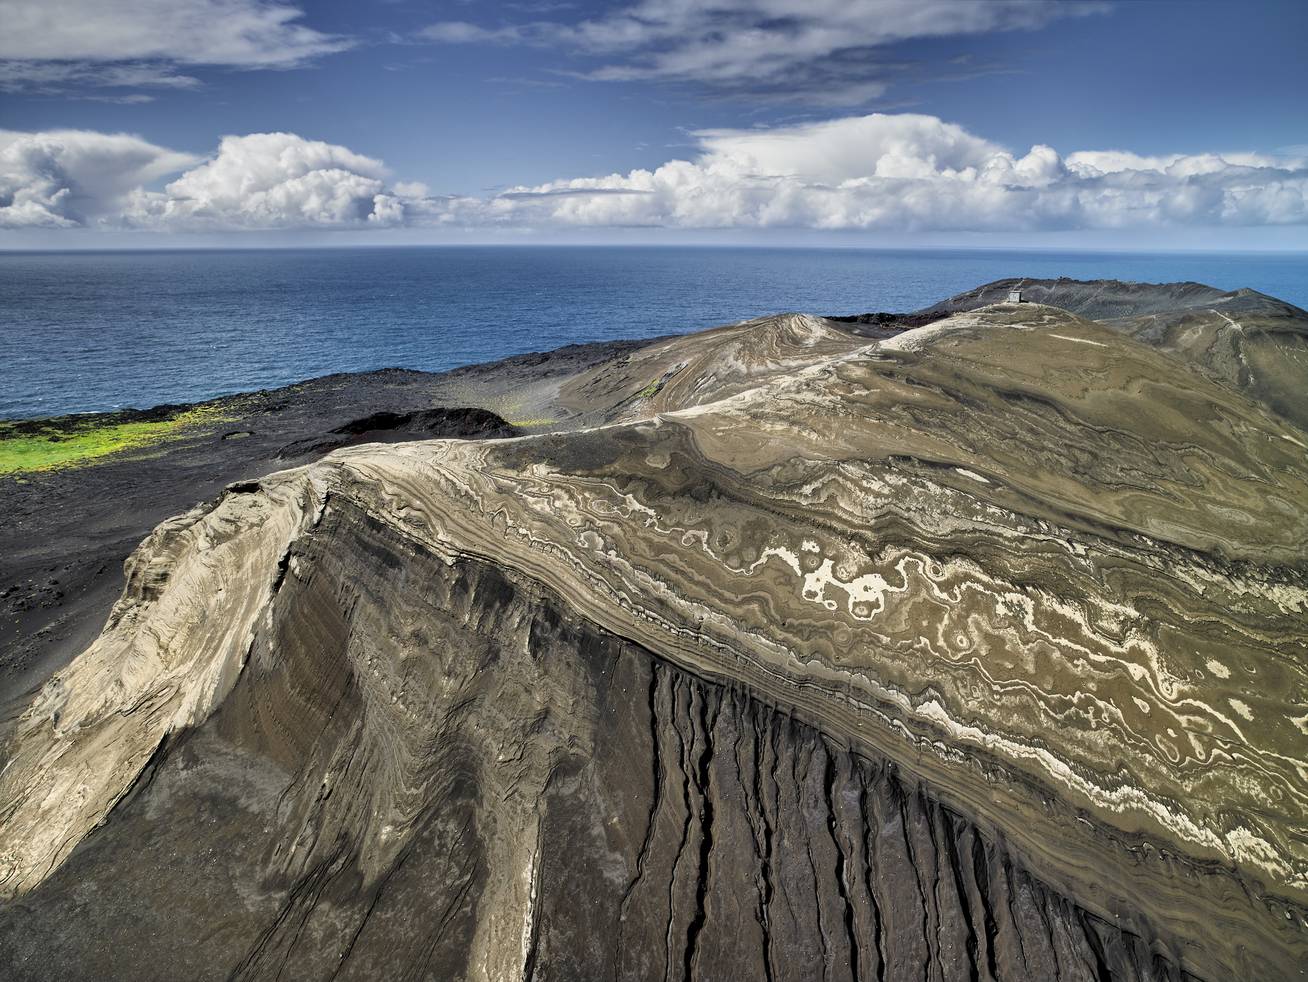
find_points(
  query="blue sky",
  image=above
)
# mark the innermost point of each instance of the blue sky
(493, 120)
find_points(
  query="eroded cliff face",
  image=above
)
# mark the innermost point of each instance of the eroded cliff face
(978, 652)
(432, 770)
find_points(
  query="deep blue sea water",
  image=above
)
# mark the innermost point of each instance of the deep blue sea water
(92, 331)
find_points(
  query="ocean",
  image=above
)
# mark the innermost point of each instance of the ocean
(85, 331)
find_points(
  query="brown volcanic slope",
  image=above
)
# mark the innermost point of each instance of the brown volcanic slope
(976, 652)
(1239, 337)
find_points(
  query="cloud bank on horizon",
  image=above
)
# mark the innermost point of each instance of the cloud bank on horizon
(902, 171)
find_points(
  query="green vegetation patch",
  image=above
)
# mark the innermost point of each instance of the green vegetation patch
(71, 441)
(656, 386)
(532, 421)
(651, 390)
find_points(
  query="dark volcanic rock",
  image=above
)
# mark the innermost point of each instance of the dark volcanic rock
(884, 325)
(393, 427)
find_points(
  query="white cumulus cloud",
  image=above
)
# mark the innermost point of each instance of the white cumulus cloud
(273, 180)
(915, 172)
(78, 178)
(895, 173)
(70, 178)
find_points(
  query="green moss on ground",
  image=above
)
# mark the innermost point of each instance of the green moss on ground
(532, 422)
(27, 446)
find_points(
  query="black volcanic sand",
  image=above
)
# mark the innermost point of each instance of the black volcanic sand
(67, 532)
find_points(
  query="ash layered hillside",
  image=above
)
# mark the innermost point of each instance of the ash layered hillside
(1238, 337)
(810, 649)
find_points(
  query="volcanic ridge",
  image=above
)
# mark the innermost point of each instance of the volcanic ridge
(965, 644)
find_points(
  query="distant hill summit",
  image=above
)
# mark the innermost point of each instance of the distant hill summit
(1244, 338)
(1091, 299)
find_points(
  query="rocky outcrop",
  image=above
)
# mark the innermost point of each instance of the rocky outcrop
(975, 652)
(387, 426)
